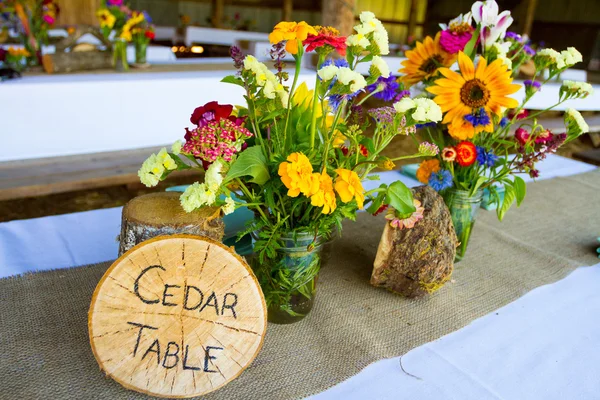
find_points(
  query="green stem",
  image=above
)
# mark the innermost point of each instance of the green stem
(298, 58)
(313, 123)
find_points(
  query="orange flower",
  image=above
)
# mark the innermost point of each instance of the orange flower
(297, 175)
(424, 61)
(325, 196)
(426, 168)
(292, 32)
(348, 186)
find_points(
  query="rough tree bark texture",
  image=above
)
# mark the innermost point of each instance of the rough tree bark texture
(339, 14)
(179, 316)
(159, 214)
(417, 261)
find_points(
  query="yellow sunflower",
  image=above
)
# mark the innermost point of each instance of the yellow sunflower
(468, 99)
(425, 61)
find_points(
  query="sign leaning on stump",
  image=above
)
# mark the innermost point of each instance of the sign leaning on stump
(177, 316)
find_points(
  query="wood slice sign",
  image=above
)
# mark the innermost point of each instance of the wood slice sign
(177, 316)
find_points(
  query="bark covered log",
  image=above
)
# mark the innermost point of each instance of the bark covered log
(414, 262)
(159, 214)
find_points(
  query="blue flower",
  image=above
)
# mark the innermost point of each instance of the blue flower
(147, 16)
(336, 99)
(338, 62)
(528, 50)
(486, 158)
(426, 125)
(478, 118)
(441, 180)
(387, 86)
(503, 122)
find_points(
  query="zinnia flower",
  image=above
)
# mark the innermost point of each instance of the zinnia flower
(449, 154)
(211, 111)
(486, 87)
(292, 32)
(441, 180)
(297, 175)
(426, 168)
(348, 186)
(409, 222)
(325, 196)
(425, 61)
(466, 153)
(327, 39)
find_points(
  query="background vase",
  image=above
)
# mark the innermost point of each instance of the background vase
(289, 279)
(141, 50)
(463, 209)
(120, 55)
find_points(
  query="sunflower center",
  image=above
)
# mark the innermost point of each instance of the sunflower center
(474, 93)
(431, 64)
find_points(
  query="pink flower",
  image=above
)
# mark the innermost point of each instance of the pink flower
(522, 136)
(48, 19)
(409, 222)
(453, 42)
(544, 136)
(114, 3)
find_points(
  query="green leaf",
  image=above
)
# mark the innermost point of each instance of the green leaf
(480, 181)
(251, 162)
(400, 197)
(233, 80)
(470, 47)
(373, 177)
(520, 189)
(180, 164)
(509, 198)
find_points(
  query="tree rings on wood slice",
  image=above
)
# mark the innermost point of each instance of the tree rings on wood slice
(177, 316)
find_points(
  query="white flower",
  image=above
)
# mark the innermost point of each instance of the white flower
(580, 89)
(166, 160)
(346, 76)
(554, 56)
(269, 90)
(367, 16)
(151, 171)
(507, 61)
(405, 104)
(575, 123)
(382, 42)
(571, 56)
(229, 206)
(427, 110)
(176, 147)
(359, 40)
(462, 19)
(501, 47)
(284, 96)
(196, 196)
(368, 23)
(493, 25)
(251, 63)
(327, 73)
(213, 177)
(381, 66)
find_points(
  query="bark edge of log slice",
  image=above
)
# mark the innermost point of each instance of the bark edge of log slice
(177, 316)
(158, 214)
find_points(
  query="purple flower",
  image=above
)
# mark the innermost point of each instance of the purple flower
(338, 62)
(528, 50)
(503, 122)
(402, 94)
(336, 99)
(441, 180)
(237, 56)
(534, 84)
(478, 118)
(486, 158)
(3, 54)
(147, 16)
(383, 115)
(387, 88)
(513, 36)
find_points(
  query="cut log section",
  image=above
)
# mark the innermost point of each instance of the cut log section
(177, 316)
(158, 214)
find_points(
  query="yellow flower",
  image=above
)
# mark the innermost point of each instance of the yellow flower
(125, 35)
(473, 92)
(297, 175)
(426, 168)
(18, 52)
(107, 20)
(348, 186)
(292, 32)
(325, 196)
(424, 61)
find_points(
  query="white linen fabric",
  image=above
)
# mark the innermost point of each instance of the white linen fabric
(542, 346)
(89, 237)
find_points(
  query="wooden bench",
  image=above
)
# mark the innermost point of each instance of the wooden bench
(43, 176)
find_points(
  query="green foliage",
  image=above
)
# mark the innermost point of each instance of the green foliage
(251, 162)
(233, 80)
(400, 197)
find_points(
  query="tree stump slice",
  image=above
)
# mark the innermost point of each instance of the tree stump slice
(177, 316)
(417, 261)
(158, 214)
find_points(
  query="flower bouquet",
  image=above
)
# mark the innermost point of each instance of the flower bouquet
(142, 34)
(297, 156)
(478, 149)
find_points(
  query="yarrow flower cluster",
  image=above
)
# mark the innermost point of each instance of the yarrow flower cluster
(550, 58)
(266, 79)
(370, 34)
(425, 110)
(220, 138)
(155, 166)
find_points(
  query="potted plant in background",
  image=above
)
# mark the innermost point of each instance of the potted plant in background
(116, 23)
(297, 157)
(479, 152)
(142, 34)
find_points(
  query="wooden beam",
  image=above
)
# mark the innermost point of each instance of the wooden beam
(339, 14)
(412, 20)
(286, 10)
(529, 17)
(217, 13)
(78, 12)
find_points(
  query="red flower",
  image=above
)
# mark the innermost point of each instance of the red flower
(363, 150)
(326, 36)
(544, 136)
(380, 210)
(344, 150)
(209, 112)
(521, 115)
(150, 35)
(522, 136)
(466, 153)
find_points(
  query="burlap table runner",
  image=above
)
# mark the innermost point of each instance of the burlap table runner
(45, 353)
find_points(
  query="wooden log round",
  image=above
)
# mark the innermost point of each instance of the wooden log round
(158, 214)
(177, 316)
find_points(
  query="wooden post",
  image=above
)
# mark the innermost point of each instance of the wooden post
(339, 14)
(286, 11)
(412, 20)
(217, 13)
(78, 12)
(529, 16)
